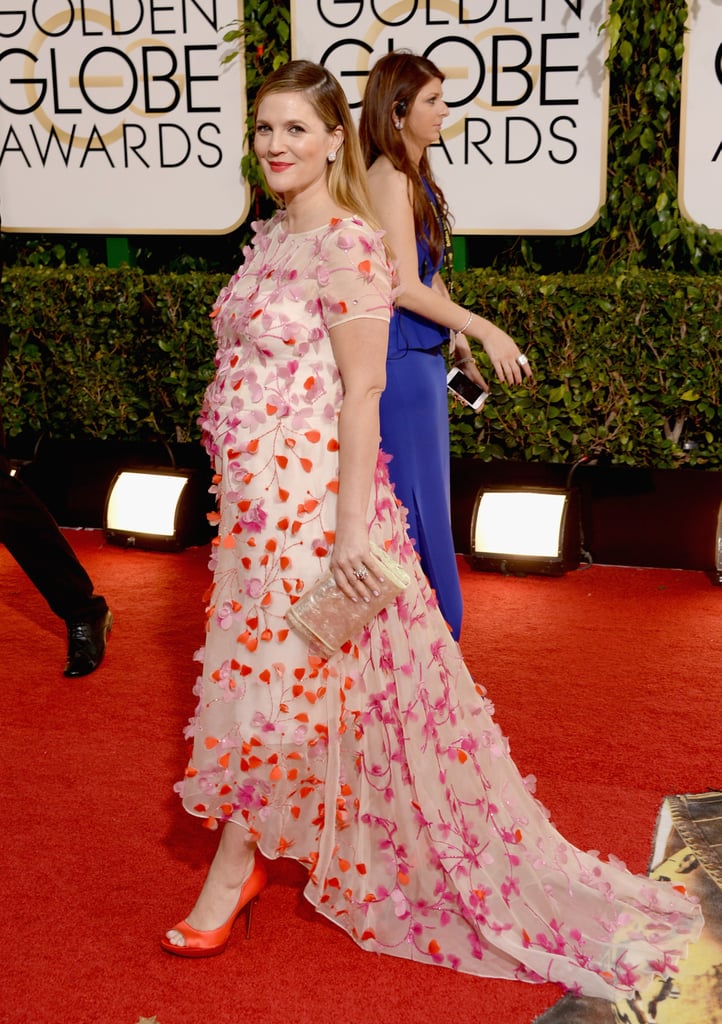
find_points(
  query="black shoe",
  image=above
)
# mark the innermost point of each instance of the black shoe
(86, 645)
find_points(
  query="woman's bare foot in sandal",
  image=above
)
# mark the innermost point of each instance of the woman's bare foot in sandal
(235, 877)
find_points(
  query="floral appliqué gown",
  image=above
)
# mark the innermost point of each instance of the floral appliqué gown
(380, 769)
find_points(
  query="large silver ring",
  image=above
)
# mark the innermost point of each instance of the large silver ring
(361, 573)
(522, 360)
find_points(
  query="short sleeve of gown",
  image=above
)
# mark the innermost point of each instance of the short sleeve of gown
(353, 274)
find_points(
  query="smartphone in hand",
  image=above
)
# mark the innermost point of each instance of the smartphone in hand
(463, 387)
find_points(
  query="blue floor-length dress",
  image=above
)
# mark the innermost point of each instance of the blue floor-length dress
(415, 432)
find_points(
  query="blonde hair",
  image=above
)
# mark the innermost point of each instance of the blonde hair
(346, 176)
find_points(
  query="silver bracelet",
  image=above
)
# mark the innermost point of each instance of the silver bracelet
(466, 324)
(466, 359)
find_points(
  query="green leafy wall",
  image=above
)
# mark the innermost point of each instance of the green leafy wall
(104, 353)
(625, 364)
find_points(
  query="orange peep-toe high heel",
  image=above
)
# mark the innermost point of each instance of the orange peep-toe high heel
(211, 943)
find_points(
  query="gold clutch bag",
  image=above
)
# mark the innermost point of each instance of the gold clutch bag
(326, 618)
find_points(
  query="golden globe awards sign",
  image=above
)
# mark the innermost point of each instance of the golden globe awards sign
(524, 147)
(700, 170)
(117, 116)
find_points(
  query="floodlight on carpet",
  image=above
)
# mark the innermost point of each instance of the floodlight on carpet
(156, 508)
(526, 530)
(718, 550)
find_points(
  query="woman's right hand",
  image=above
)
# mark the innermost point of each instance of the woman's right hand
(504, 353)
(464, 360)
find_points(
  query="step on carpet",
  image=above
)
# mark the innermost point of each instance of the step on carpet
(688, 851)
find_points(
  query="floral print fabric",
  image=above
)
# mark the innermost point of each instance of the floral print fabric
(380, 769)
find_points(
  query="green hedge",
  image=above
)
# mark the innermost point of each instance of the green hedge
(626, 365)
(106, 353)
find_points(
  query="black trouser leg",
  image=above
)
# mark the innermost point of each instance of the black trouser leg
(33, 538)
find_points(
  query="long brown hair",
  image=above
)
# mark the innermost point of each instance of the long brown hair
(347, 183)
(392, 86)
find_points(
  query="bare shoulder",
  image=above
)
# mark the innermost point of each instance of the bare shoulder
(383, 175)
(389, 186)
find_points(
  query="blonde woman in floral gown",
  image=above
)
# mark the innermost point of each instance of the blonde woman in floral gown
(380, 769)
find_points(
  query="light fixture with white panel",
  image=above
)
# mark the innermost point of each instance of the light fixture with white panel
(526, 530)
(160, 509)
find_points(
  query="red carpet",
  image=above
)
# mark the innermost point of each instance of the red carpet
(606, 680)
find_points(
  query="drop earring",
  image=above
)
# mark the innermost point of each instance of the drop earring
(397, 125)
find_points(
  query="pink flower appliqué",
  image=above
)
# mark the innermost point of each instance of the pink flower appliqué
(254, 588)
(225, 615)
(254, 518)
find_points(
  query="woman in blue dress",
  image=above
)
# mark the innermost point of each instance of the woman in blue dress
(402, 114)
